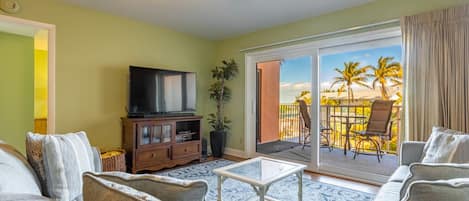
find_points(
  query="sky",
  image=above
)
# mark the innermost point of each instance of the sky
(295, 73)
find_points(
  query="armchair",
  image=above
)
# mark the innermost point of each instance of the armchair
(415, 181)
(160, 187)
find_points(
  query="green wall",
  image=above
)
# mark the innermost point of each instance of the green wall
(16, 88)
(94, 50)
(376, 11)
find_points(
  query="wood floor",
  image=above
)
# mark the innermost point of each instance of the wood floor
(358, 186)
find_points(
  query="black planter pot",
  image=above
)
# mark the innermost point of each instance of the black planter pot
(217, 143)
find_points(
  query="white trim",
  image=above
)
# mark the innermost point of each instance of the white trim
(309, 48)
(312, 37)
(235, 152)
(51, 61)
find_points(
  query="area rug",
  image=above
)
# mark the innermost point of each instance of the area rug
(286, 189)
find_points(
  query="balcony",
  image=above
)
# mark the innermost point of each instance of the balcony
(291, 135)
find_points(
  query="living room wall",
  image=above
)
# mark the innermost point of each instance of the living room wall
(376, 11)
(16, 88)
(94, 50)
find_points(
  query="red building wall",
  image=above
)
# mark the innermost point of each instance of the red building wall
(269, 89)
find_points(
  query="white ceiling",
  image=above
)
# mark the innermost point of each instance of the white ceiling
(218, 19)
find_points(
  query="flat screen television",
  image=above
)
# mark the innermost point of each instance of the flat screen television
(159, 92)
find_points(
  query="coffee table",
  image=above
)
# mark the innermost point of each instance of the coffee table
(260, 173)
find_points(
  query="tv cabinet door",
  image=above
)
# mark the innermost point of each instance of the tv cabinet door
(161, 133)
(144, 130)
(154, 133)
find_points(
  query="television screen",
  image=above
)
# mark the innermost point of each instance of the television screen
(161, 92)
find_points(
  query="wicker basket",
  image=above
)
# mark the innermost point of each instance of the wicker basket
(113, 160)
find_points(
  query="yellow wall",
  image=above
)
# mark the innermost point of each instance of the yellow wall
(40, 84)
(94, 50)
(16, 88)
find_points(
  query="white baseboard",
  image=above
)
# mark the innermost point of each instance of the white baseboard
(235, 152)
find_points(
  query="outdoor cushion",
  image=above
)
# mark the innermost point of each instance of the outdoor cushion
(400, 174)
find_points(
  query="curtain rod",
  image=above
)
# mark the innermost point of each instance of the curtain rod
(321, 35)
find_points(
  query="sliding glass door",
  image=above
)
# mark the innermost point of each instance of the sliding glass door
(312, 103)
(352, 78)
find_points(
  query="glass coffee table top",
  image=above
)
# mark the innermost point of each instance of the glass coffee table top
(260, 173)
(260, 170)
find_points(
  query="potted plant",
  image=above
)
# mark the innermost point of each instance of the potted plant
(221, 94)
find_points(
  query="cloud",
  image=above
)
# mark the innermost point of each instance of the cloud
(302, 86)
(325, 85)
(367, 55)
(289, 90)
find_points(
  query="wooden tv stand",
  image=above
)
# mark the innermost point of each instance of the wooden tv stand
(161, 142)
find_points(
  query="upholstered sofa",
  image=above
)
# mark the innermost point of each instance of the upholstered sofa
(416, 181)
(19, 181)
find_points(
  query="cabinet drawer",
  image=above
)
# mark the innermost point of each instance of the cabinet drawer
(186, 149)
(153, 156)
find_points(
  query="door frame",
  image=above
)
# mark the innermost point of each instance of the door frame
(30, 28)
(305, 49)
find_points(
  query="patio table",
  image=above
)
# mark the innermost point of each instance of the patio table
(348, 126)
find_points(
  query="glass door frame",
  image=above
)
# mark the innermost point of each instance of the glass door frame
(306, 49)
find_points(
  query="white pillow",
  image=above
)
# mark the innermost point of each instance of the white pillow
(66, 158)
(446, 146)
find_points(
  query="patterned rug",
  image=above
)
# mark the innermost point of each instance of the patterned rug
(285, 189)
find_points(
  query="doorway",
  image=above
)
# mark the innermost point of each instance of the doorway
(40, 75)
(282, 131)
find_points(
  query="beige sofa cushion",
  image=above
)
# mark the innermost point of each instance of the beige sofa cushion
(16, 175)
(99, 189)
(389, 192)
(400, 174)
(22, 197)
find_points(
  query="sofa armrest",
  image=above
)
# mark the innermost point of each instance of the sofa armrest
(164, 188)
(453, 189)
(98, 165)
(98, 189)
(433, 172)
(411, 152)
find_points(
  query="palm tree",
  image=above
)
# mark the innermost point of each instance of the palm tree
(385, 73)
(351, 74)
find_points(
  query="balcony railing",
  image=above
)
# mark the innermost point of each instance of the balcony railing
(292, 126)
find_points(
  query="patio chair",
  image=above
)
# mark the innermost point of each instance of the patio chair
(325, 132)
(378, 128)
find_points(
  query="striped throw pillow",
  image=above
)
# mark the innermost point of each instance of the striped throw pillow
(66, 158)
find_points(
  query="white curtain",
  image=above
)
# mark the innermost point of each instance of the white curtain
(436, 48)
